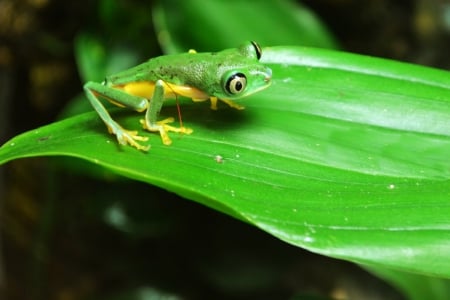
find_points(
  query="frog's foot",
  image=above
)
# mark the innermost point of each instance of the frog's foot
(128, 137)
(233, 104)
(230, 103)
(163, 128)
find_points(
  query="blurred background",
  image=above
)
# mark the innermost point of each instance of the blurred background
(69, 230)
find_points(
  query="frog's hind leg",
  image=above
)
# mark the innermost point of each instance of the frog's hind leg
(150, 122)
(95, 91)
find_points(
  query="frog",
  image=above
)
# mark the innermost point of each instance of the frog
(224, 76)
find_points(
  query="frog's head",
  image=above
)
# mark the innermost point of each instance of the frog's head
(245, 75)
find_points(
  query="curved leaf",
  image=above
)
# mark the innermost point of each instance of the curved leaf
(343, 155)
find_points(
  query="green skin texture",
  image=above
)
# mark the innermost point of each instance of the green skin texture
(218, 75)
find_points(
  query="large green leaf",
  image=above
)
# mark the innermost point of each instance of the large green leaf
(343, 155)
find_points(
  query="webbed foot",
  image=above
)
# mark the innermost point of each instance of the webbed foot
(163, 128)
(128, 137)
(230, 103)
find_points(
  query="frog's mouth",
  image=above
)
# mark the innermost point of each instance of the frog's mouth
(267, 81)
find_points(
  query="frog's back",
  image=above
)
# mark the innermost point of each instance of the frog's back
(176, 69)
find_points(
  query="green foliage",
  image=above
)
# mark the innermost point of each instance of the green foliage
(216, 25)
(343, 155)
(325, 159)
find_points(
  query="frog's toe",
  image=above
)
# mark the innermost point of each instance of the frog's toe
(168, 128)
(163, 128)
(130, 137)
(233, 104)
(165, 121)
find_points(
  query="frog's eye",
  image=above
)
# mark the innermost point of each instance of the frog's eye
(257, 49)
(236, 83)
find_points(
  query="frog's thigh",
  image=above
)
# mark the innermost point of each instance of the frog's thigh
(120, 98)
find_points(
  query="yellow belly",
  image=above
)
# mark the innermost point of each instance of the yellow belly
(146, 89)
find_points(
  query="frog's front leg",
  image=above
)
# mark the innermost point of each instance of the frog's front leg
(230, 103)
(95, 91)
(150, 122)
